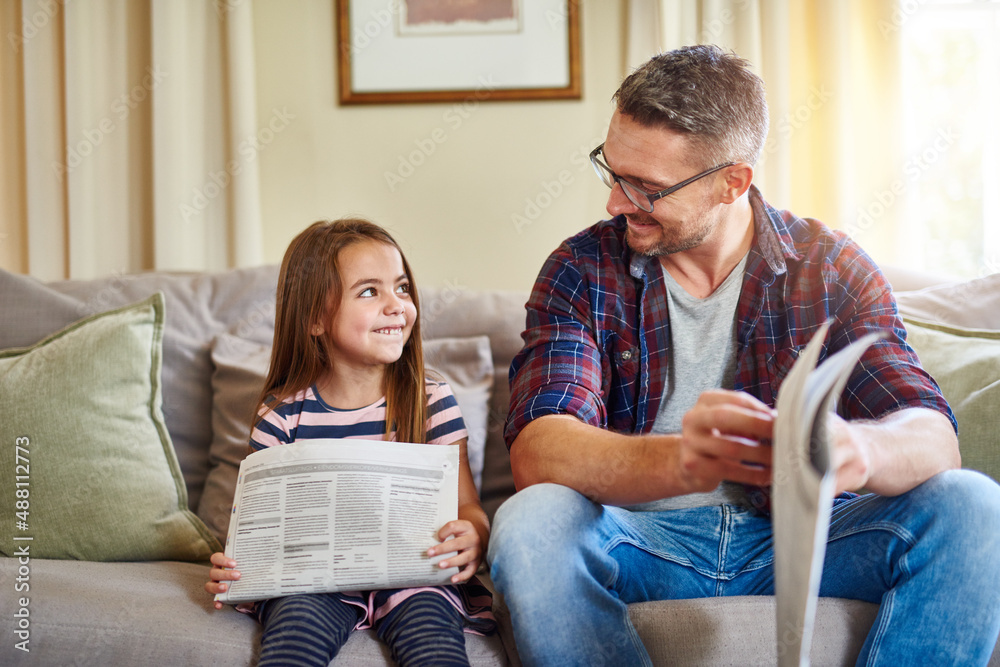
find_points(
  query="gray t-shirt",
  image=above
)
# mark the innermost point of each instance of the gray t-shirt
(702, 356)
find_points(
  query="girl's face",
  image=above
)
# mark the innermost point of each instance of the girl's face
(376, 313)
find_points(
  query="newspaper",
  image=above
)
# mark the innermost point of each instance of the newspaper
(340, 515)
(803, 487)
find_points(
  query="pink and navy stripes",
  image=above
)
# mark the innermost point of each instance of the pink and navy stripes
(306, 416)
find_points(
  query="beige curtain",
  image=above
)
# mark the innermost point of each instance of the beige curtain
(128, 137)
(832, 72)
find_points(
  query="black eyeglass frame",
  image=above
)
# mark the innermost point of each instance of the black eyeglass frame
(633, 190)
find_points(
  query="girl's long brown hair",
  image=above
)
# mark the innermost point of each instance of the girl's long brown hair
(309, 292)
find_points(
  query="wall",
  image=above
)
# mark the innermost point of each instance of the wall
(504, 183)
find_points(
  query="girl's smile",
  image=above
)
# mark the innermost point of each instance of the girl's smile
(370, 326)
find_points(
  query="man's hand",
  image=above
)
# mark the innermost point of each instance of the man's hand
(723, 438)
(850, 457)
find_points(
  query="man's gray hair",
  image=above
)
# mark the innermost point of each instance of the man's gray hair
(704, 92)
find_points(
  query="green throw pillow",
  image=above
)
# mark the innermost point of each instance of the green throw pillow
(966, 363)
(88, 469)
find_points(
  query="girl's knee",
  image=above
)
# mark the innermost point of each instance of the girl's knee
(269, 611)
(424, 614)
(431, 605)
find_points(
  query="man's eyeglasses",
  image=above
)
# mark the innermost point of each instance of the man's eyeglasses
(644, 200)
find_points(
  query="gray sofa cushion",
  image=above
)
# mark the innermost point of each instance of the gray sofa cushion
(701, 632)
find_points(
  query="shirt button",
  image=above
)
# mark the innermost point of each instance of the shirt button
(626, 355)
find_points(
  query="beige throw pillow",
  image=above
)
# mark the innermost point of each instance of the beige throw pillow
(970, 304)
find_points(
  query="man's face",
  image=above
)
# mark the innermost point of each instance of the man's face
(654, 159)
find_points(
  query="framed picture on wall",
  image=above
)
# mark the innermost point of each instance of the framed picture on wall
(392, 51)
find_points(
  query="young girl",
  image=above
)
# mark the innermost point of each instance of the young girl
(347, 362)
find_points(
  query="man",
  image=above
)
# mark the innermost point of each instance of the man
(642, 403)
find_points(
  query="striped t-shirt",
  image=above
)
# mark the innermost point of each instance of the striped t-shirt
(306, 416)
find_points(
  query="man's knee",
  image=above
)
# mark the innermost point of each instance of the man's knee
(539, 525)
(958, 513)
(965, 500)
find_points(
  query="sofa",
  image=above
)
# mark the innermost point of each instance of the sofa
(124, 404)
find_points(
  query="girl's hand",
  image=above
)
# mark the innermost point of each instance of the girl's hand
(466, 542)
(220, 576)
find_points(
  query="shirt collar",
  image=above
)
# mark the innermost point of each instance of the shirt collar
(772, 238)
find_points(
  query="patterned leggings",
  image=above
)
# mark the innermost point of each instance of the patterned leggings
(425, 629)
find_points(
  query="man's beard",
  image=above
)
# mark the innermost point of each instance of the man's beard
(664, 246)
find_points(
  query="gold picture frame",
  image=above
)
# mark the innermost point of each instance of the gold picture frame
(403, 51)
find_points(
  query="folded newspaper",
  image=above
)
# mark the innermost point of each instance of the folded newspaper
(803, 487)
(340, 515)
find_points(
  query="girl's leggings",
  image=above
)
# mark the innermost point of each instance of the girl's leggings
(425, 629)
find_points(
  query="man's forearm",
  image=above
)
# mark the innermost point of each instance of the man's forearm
(720, 440)
(893, 455)
(609, 468)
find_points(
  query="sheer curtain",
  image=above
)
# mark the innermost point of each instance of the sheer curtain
(129, 137)
(832, 70)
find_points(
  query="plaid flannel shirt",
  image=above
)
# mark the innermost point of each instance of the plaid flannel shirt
(596, 344)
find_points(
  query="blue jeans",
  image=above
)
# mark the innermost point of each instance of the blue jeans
(567, 567)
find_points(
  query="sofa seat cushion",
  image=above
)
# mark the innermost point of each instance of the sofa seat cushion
(98, 476)
(155, 613)
(742, 631)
